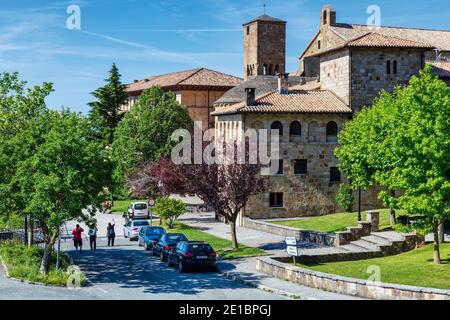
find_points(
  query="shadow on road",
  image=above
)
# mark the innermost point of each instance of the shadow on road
(133, 267)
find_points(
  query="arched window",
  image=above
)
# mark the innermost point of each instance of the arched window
(265, 71)
(332, 131)
(276, 69)
(271, 69)
(325, 21)
(295, 131)
(313, 132)
(277, 126)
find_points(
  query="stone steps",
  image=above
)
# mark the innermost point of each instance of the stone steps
(390, 236)
(369, 246)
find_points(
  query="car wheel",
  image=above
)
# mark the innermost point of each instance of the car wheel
(181, 267)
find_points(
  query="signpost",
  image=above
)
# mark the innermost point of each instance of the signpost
(292, 249)
(151, 205)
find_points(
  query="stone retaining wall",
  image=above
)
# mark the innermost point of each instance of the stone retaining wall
(347, 286)
(320, 238)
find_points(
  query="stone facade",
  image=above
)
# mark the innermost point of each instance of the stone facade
(335, 73)
(369, 72)
(307, 194)
(264, 47)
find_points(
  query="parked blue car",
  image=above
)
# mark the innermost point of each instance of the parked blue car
(148, 235)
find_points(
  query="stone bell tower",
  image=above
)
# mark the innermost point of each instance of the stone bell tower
(264, 46)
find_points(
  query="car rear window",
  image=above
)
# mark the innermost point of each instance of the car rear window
(199, 247)
(176, 238)
(141, 223)
(140, 206)
(155, 231)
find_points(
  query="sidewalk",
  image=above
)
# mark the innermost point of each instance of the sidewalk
(244, 270)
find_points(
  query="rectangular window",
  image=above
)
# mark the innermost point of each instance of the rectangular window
(395, 67)
(276, 200)
(335, 174)
(319, 44)
(388, 67)
(300, 167)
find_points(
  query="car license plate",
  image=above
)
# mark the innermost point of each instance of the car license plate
(202, 257)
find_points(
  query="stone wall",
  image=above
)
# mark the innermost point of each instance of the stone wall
(304, 195)
(320, 238)
(347, 286)
(264, 43)
(369, 72)
(335, 73)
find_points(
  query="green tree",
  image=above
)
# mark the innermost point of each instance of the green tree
(406, 147)
(65, 175)
(106, 112)
(345, 198)
(169, 210)
(145, 132)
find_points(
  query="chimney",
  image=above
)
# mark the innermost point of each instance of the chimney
(250, 100)
(283, 83)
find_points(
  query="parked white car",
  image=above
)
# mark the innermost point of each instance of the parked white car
(131, 228)
(138, 210)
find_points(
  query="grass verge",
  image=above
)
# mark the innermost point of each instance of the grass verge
(23, 263)
(415, 268)
(123, 205)
(223, 247)
(333, 222)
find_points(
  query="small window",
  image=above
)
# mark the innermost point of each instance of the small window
(335, 174)
(395, 67)
(332, 131)
(388, 67)
(300, 167)
(295, 131)
(319, 44)
(248, 30)
(277, 126)
(276, 200)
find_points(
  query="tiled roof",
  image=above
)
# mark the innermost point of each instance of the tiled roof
(373, 39)
(265, 18)
(296, 101)
(436, 38)
(376, 40)
(262, 84)
(442, 68)
(194, 77)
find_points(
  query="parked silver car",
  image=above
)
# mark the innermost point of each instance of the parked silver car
(131, 228)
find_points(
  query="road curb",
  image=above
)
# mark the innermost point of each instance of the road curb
(238, 278)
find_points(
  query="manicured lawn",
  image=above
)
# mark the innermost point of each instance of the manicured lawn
(221, 246)
(414, 268)
(334, 222)
(123, 205)
(23, 263)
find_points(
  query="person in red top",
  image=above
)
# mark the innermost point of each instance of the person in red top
(77, 240)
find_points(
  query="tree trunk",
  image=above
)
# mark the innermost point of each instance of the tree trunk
(441, 232)
(393, 218)
(31, 232)
(233, 235)
(437, 255)
(46, 259)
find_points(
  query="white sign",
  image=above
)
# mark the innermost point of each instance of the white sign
(292, 251)
(151, 202)
(291, 241)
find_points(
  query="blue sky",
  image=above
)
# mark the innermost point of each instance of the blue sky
(146, 37)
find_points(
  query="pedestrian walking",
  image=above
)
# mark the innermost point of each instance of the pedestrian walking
(93, 237)
(111, 233)
(77, 239)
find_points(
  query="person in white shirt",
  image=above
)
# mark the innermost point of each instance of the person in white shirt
(93, 237)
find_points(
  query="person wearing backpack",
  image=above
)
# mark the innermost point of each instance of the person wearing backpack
(93, 237)
(110, 232)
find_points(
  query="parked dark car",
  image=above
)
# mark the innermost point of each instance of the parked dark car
(148, 235)
(192, 254)
(166, 243)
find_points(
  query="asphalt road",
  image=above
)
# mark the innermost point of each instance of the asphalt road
(127, 272)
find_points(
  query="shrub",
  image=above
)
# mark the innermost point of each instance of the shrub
(169, 210)
(345, 198)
